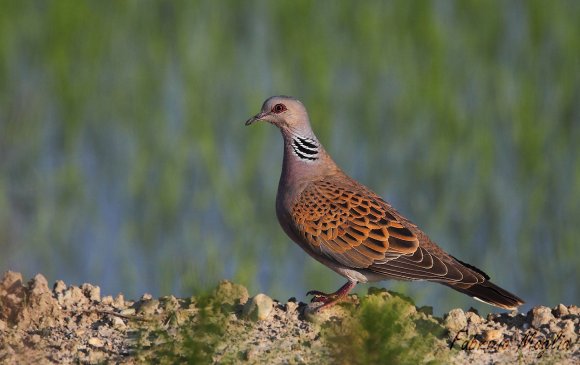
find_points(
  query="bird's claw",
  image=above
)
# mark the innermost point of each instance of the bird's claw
(320, 297)
(317, 293)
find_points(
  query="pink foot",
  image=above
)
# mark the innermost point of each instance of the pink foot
(329, 300)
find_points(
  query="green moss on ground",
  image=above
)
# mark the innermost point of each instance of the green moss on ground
(385, 328)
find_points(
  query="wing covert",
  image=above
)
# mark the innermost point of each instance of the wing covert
(352, 227)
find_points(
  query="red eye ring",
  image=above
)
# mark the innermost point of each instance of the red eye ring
(278, 108)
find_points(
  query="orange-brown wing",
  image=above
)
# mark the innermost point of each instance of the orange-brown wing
(354, 228)
(350, 224)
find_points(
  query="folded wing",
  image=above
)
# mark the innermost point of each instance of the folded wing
(353, 226)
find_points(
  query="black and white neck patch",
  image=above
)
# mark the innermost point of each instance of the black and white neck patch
(305, 148)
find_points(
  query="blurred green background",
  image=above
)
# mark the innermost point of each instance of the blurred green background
(125, 162)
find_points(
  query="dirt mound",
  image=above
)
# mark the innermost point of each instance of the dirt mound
(69, 324)
(61, 325)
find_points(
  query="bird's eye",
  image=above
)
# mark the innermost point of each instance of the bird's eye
(278, 108)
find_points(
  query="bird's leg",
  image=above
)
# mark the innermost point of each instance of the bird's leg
(333, 298)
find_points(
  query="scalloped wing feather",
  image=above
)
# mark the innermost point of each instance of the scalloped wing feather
(353, 226)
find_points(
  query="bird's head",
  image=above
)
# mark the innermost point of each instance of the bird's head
(286, 113)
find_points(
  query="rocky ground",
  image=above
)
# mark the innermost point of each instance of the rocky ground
(69, 324)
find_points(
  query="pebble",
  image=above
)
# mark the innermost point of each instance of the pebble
(93, 293)
(473, 317)
(96, 342)
(562, 310)
(10, 280)
(568, 330)
(553, 326)
(455, 320)
(540, 316)
(74, 297)
(119, 301)
(128, 312)
(148, 306)
(34, 339)
(258, 308)
(493, 335)
(118, 323)
(59, 287)
(291, 307)
(299, 359)
(39, 285)
(95, 357)
(105, 332)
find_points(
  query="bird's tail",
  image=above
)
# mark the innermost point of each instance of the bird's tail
(490, 293)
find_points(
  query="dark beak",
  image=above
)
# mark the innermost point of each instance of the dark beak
(256, 117)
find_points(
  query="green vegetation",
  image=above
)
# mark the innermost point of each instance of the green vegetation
(386, 329)
(192, 341)
(124, 160)
(191, 333)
